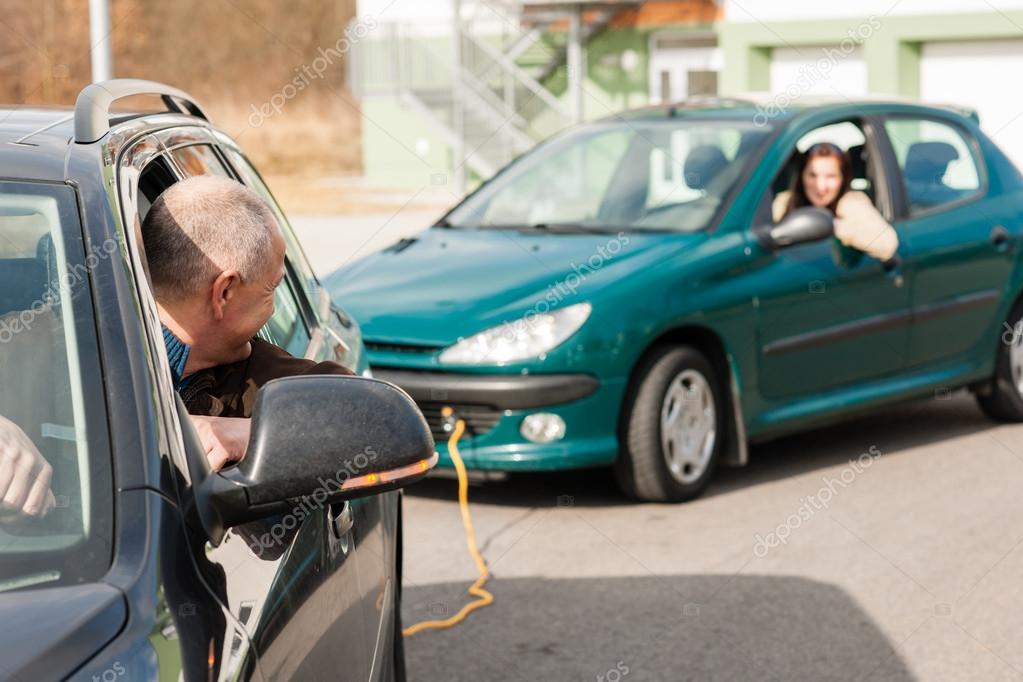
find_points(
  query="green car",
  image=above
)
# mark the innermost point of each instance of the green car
(621, 295)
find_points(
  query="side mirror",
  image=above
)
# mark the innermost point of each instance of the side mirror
(807, 224)
(328, 438)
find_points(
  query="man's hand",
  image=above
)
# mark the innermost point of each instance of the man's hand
(225, 439)
(24, 474)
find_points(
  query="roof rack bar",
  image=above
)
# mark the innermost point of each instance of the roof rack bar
(92, 109)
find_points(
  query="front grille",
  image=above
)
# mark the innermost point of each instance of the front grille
(400, 347)
(479, 419)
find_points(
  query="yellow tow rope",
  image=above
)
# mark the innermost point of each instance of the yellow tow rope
(483, 598)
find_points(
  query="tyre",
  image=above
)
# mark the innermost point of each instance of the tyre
(672, 427)
(1004, 400)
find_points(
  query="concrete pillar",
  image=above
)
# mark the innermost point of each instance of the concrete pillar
(576, 66)
(457, 103)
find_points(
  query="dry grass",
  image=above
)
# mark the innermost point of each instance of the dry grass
(316, 134)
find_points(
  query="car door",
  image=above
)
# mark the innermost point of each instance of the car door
(281, 579)
(829, 316)
(960, 243)
(335, 337)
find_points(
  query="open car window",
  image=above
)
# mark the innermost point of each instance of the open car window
(850, 138)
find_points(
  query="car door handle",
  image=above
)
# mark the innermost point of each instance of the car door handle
(341, 520)
(1000, 237)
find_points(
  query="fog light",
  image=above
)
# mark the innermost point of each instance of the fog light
(543, 427)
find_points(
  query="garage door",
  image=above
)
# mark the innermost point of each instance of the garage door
(822, 70)
(982, 75)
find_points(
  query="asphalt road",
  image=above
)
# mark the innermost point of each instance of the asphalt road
(902, 559)
(887, 548)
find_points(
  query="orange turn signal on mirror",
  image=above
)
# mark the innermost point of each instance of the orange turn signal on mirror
(391, 475)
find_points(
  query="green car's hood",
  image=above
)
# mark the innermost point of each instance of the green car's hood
(451, 283)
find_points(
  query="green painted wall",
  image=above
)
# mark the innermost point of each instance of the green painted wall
(891, 45)
(390, 134)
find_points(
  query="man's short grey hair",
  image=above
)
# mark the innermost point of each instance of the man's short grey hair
(201, 227)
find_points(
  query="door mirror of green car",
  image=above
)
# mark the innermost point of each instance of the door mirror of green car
(807, 224)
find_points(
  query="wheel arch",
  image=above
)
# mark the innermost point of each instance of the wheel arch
(711, 345)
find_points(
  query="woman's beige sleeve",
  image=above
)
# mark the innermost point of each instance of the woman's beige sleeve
(779, 204)
(859, 225)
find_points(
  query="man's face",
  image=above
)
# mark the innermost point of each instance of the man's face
(252, 302)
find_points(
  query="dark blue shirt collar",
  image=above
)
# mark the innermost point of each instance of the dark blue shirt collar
(177, 354)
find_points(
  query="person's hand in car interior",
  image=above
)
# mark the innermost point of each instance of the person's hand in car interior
(24, 475)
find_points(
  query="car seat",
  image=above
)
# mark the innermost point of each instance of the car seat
(926, 164)
(703, 164)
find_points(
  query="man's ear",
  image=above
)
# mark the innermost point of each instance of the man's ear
(225, 286)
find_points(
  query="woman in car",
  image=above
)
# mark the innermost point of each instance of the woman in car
(823, 180)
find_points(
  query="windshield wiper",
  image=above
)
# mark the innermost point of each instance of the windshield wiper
(567, 227)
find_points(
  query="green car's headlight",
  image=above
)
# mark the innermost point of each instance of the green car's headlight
(528, 337)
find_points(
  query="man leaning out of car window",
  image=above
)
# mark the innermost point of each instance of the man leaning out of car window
(216, 256)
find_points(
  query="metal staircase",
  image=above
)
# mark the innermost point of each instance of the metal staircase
(486, 92)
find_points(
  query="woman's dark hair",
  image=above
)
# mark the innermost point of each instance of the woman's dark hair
(797, 192)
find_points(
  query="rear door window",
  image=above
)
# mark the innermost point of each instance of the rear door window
(51, 408)
(937, 161)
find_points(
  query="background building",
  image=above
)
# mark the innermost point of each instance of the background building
(520, 71)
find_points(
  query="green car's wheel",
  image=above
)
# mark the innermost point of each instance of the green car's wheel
(1004, 400)
(672, 427)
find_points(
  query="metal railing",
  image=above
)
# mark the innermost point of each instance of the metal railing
(502, 109)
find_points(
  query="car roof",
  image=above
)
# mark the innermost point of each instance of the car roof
(52, 126)
(35, 141)
(776, 108)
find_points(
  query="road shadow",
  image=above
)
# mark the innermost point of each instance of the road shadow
(673, 628)
(891, 430)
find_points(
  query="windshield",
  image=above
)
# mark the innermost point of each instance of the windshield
(55, 510)
(660, 175)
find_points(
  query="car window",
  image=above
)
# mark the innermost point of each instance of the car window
(286, 329)
(656, 174)
(48, 351)
(296, 256)
(565, 188)
(847, 136)
(199, 159)
(938, 166)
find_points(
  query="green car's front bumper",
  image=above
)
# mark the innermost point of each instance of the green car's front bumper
(493, 407)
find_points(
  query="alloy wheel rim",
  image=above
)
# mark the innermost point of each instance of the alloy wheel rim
(689, 425)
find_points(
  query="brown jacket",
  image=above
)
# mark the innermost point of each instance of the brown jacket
(230, 390)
